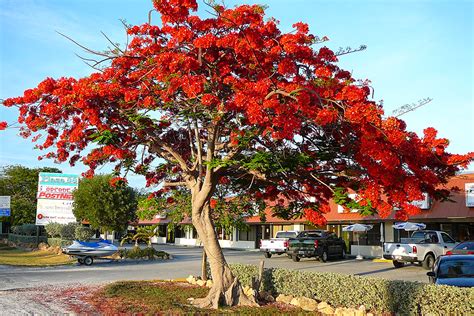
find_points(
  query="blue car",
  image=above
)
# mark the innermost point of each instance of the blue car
(454, 270)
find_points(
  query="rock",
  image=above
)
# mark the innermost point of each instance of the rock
(284, 298)
(323, 305)
(43, 246)
(201, 282)
(295, 301)
(349, 311)
(369, 314)
(327, 311)
(360, 311)
(307, 304)
(190, 278)
(209, 283)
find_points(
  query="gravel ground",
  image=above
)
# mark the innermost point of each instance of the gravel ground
(47, 300)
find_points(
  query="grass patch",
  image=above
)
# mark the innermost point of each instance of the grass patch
(168, 298)
(17, 257)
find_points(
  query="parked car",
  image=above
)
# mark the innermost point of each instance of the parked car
(424, 246)
(454, 270)
(316, 243)
(277, 245)
(464, 248)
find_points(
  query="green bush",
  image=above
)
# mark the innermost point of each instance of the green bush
(53, 229)
(58, 242)
(25, 239)
(379, 295)
(149, 253)
(25, 230)
(83, 233)
(68, 231)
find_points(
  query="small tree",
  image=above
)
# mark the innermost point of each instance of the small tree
(104, 204)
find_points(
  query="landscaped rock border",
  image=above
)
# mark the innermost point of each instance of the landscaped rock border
(306, 304)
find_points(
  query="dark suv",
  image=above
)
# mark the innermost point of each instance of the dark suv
(320, 244)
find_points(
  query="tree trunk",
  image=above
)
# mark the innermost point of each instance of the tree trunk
(204, 265)
(226, 289)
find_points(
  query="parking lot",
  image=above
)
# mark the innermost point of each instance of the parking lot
(187, 260)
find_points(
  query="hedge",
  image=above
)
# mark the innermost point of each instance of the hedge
(25, 239)
(149, 253)
(58, 242)
(378, 295)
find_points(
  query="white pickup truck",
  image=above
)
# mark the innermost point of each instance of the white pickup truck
(424, 246)
(277, 245)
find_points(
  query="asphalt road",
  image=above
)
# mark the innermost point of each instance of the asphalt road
(186, 261)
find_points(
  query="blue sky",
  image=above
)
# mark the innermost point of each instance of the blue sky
(416, 49)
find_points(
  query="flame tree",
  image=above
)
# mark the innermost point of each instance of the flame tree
(231, 100)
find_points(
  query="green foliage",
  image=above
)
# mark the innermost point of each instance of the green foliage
(53, 229)
(376, 294)
(21, 183)
(25, 230)
(104, 206)
(341, 197)
(68, 231)
(83, 233)
(136, 252)
(25, 239)
(58, 242)
(143, 233)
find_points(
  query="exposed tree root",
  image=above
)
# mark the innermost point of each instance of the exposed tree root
(232, 296)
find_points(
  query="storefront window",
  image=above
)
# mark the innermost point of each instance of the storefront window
(247, 234)
(369, 238)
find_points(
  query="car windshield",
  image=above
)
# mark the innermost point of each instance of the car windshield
(286, 235)
(468, 245)
(456, 268)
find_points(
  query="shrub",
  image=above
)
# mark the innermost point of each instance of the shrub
(58, 242)
(25, 230)
(149, 253)
(380, 295)
(68, 231)
(53, 229)
(83, 233)
(25, 239)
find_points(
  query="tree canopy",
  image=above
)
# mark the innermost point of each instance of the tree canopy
(231, 100)
(21, 183)
(103, 205)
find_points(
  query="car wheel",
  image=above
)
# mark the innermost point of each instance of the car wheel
(267, 255)
(88, 261)
(428, 263)
(80, 260)
(295, 258)
(398, 264)
(324, 256)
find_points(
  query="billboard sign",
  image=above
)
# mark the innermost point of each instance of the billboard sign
(5, 209)
(55, 198)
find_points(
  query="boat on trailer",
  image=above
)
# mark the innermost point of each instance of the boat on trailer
(87, 251)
